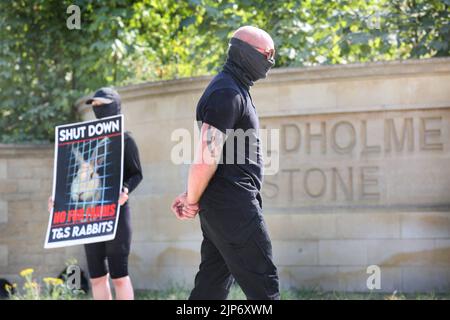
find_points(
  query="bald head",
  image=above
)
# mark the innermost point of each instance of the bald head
(255, 37)
(251, 54)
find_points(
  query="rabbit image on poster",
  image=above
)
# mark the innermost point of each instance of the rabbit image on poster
(86, 184)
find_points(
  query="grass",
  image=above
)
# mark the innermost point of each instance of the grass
(179, 293)
(55, 289)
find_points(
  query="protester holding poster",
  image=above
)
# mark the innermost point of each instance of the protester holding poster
(106, 235)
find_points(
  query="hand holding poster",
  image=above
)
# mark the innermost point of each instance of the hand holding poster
(87, 182)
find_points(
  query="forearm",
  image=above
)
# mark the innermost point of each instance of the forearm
(205, 164)
(199, 176)
(132, 164)
(132, 182)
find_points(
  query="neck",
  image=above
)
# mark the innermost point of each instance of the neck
(238, 74)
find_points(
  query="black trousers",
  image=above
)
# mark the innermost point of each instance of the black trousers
(249, 263)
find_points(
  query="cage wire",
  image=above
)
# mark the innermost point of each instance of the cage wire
(95, 152)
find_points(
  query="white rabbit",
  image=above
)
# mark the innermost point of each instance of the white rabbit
(86, 184)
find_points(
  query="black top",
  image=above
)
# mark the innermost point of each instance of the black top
(232, 198)
(132, 172)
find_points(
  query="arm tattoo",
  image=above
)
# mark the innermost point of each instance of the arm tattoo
(214, 140)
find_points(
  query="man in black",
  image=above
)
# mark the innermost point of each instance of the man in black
(225, 179)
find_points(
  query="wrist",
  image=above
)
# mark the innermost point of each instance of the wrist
(190, 200)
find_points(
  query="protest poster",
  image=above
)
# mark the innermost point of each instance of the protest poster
(87, 182)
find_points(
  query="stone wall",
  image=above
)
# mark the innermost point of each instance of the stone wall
(25, 184)
(363, 179)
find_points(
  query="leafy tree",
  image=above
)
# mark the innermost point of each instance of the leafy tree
(45, 67)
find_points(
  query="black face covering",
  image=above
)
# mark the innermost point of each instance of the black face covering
(106, 110)
(246, 63)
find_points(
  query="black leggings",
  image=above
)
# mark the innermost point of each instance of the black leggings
(115, 251)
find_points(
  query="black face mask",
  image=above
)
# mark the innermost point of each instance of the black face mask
(246, 63)
(106, 110)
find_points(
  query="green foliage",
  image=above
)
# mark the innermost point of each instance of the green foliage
(48, 289)
(45, 67)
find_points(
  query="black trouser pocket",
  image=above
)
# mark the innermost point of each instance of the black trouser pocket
(253, 267)
(255, 254)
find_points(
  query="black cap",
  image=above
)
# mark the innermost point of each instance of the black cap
(105, 95)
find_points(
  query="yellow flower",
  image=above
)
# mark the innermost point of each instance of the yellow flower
(26, 272)
(8, 287)
(31, 285)
(53, 281)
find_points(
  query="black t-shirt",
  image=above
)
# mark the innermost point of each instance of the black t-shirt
(232, 199)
